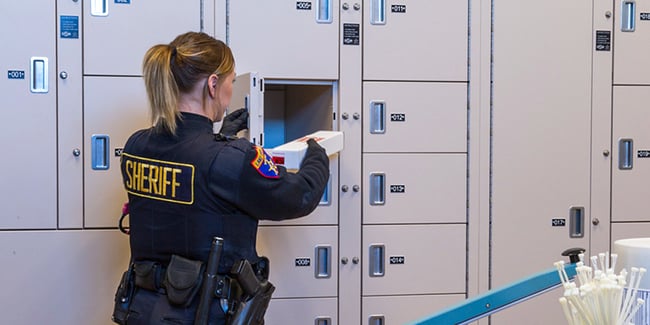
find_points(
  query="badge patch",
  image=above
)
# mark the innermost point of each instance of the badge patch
(264, 165)
(158, 180)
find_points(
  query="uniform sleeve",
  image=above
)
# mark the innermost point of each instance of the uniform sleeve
(268, 192)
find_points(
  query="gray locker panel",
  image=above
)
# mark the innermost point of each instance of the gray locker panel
(631, 42)
(327, 212)
(541, 141)
(414, 117)
(418, 40)
(629, 230)
(61, 277)
(432, 255)
(279, 39)
(414, 188)
(115, 43)
(70, 116)
(29, 133)
(114, 107)
(304, 259)
(308, 311)
(631, 153)
(405, 309)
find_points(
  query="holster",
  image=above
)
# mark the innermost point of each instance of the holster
(183, 280)
(124, 296)
(252, 306)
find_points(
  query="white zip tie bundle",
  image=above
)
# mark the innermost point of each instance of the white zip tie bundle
(599, 299)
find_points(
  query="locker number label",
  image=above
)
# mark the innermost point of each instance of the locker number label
(398, 188)
(397, 259)
(558, 222)
(645, 16)
(400, 9)
(16, 74)
(398, 117)
(643, 154)
(303, 5)
(303, 261)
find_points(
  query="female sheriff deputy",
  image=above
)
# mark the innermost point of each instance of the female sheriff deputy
(187, 185)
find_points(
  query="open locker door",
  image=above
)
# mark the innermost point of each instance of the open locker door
(248, 92)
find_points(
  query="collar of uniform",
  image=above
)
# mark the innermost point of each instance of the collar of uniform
(190, 121)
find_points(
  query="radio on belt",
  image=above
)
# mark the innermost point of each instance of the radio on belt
(290, 154)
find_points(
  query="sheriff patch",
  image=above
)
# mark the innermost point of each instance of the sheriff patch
(157, 179)
(264, 165)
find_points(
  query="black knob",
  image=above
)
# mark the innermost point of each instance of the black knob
(573, 254)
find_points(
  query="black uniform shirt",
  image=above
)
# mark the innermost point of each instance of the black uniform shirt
(186, 189)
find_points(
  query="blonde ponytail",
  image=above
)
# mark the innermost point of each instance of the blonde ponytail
(161, 87)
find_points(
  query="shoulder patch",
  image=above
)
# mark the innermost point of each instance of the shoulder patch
(264, 165)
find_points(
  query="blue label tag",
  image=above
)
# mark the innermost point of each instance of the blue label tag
(126, 2)
(16, 74)
(69, 26)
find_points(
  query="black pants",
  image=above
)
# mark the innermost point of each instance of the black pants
(151, 308)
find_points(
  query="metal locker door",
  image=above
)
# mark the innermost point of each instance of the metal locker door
(303, 259)
(114, 108)
(631, 42)
(631, 153)
(415, 117)
(394, 310)
(541, 143)
(248, 92)
(117, 34)
(415, 40)
(432, 257)
(414, 188)
(286, 39)
(29, 134)
(309, 311)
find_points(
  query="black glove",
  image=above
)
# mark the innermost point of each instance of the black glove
(312, 145)
(234, 122)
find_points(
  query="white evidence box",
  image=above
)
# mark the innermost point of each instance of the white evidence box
(290, 154)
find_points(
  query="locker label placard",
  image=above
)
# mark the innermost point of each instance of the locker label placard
(398, 117)
(400, 9)
(351, 34)
(645, 16)
(397, 259)
(398, 188)
(303, 5)
(643, 154)
(603, 40)
(303, 261)
(558, 222)
(126, 2)
(69, 26)
(16, 74)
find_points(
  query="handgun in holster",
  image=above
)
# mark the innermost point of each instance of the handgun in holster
(256, 295)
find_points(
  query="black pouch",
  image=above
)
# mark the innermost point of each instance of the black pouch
(148, 275)
(183, 280)
(123, 297)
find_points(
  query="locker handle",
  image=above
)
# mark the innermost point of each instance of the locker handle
(576, 222)
(378, 12)
(376, 266)
(625, 150)
(324, 11)
(39, 75)
(377, 117)
(326, 198)
(628, 9)
(99, 8)
(323, 321)
(99, 145)
(377, 188)
(323, 268)
(376, 320)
